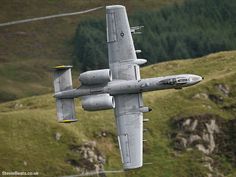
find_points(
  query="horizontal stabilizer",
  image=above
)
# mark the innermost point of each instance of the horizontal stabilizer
(63, 82)
(66, 110)
(62, 78)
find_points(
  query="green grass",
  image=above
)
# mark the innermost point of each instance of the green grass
(28, 126)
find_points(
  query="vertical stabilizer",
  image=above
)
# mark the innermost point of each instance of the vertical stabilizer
(62, 82)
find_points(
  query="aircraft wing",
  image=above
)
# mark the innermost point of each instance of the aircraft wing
(121, 52)
(122, 56)
(129, 121)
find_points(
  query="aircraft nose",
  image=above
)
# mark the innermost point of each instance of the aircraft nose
(195, 79)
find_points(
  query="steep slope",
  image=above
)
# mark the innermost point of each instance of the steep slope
(32, 140)
(29, 50)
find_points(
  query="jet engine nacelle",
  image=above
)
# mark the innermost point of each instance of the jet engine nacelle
(96, 77)
(98, 102)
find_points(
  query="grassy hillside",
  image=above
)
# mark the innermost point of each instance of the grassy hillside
(28, 126)
(27, 51)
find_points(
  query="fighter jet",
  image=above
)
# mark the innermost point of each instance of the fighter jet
(120, 87)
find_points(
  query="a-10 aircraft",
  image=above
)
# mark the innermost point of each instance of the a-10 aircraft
(119, 88)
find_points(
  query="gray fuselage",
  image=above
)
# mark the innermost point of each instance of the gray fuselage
(118, 87)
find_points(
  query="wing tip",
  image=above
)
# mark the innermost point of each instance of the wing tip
(131, 167)
(62, 67)
(68, 121)
(112, 7)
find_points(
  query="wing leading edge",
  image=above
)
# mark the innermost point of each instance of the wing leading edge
(129, 118)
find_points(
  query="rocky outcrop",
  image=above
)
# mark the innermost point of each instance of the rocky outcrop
(210, 134)
(216, 98)
(198, 132)
(221, 90)
(200, 96)
(86, 158)
(224, 88)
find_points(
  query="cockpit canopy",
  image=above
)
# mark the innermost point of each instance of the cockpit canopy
(175, 81)
(171, 81)
(181, 80)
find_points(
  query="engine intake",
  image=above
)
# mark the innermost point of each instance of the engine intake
(98, 102)
(96, 77)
